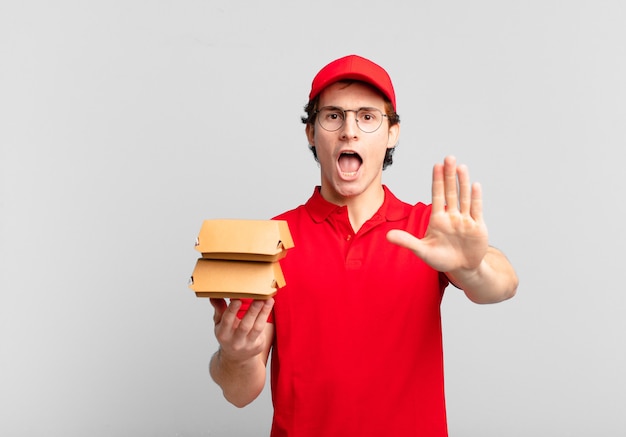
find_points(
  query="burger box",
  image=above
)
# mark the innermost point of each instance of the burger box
(240, 258)
(244, 240)
(236, 279)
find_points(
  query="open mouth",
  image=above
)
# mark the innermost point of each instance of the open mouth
(349, 163)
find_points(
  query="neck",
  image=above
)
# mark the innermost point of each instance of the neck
(361, 207)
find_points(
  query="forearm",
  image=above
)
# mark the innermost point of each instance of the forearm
(493, 281)
(241, 382)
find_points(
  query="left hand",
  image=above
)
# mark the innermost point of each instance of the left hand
(456, 239)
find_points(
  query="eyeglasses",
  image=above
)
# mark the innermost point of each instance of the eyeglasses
(331, 118)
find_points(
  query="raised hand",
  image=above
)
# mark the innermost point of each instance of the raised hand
(456, 239)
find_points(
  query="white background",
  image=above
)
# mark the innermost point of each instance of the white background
(124, 124)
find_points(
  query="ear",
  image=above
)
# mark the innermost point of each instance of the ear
(310, 133)
(394, 136)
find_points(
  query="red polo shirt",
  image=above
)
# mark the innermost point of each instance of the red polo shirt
(357, 349)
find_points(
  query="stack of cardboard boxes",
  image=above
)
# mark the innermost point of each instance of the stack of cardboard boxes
(240, 258)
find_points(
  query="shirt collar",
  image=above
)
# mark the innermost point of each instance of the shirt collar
(392, 208)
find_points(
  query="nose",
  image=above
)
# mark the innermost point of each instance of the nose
(350, 127)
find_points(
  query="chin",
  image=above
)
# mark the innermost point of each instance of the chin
(348, 188)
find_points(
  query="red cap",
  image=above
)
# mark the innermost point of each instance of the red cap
(357, 68)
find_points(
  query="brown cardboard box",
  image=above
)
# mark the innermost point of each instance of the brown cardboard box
(249, 240)
(240, 258)
(236, 279)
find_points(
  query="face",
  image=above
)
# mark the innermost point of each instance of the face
(351, 160)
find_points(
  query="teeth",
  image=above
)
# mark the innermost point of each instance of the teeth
(352, 155)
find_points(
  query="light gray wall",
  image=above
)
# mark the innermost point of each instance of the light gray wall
(124, 124)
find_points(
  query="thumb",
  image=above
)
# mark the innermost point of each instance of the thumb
(406, 240)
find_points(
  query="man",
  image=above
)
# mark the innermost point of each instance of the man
(355, 335)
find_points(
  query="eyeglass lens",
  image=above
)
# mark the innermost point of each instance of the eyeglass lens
(367, 119)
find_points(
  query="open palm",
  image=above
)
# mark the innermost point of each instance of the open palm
(456, 238)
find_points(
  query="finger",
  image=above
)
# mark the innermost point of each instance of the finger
(406, 240)
(229, 317)
(450, 184)
(219, 305)
(476, 208)
(439, 200)
(261, 320)
(249, 319)
(465, 189)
